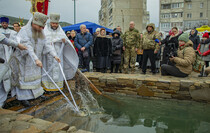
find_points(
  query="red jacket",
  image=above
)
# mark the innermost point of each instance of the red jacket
(72, 41)
(205, 53)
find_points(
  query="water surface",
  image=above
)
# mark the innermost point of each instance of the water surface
(137, 115)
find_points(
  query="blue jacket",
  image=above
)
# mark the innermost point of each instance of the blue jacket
(83, 40)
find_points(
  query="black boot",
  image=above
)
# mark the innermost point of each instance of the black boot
(51, 92)
(44, 98)
(201, 73)
(205, 75)
(143, 73)
(25, 103)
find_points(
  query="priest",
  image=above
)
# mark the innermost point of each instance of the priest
(66, 52)
(26, 65)
(5, 28)
(4, 68)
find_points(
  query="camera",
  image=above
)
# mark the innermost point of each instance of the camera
(172, 51)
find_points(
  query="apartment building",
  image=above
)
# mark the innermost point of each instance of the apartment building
(196, 13)
(184, 14)
(115, 13)
(171, 14)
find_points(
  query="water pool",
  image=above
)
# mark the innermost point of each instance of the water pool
(136, 115)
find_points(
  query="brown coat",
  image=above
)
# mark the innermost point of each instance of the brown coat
(207, 70)
(185, 58)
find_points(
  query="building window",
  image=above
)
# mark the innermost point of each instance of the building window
(201, 5)
(176, 24)
(110, 3)
(165, 25)
(189, 15)
(189, 6)
(166, 6)
(177, 5)
(111, 25)
(174, 15)
(177, 15)
(189, 25)
(201, 15)
(110, 12)
(167, 15)
(181, 14)
(110, 19)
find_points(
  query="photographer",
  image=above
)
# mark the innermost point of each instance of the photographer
(184, 60)
(171, 45)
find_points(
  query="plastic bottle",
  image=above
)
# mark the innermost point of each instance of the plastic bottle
(91, 66)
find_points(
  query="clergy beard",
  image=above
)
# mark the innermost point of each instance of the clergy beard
(37, 35)
(54, 27)
(5, 27)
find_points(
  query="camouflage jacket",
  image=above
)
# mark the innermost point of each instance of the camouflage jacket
(148, 39)
(131, 38)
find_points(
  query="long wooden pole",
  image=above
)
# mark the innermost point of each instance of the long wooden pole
(93, 87)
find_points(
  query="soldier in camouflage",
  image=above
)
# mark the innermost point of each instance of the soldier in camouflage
(131, 40)
(150, 47)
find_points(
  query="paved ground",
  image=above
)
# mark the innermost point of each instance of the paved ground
(14, 122)
(193, 76)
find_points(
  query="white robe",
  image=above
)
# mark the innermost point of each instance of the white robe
(69, 59)
(5, 53)
(26, 76)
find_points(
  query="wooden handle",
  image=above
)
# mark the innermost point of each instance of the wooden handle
(93, 87)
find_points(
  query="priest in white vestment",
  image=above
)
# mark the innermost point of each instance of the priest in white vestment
(5, 53)
(26, 65)
(66, 52)
(5, 72)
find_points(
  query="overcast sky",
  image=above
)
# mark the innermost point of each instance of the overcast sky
(87, 10)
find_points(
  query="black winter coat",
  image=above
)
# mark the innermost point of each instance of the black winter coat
(171, 44)
(195, 39)
(103, 51)
(117, 44)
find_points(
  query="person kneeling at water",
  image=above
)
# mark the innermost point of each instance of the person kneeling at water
(184, 60)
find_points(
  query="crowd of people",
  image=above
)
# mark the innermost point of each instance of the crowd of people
(33, 57)
(175, 54)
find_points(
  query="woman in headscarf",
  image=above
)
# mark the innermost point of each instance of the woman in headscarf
(103, 51)
(72, 36)
(171, 44)
(117, 44)
(194, 38)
